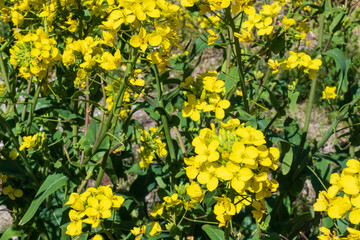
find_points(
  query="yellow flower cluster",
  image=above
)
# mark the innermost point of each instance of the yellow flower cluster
(151, 145)
(9, 190)
(30, 142)
(343, 196)
(328, 235)
(172, 205)
(112, 88)
(301, 60)
(34, 54)
(2, 88)
(329, 92)
(205, 93)
(238, 157)
(138, 231)
(92, 55)
(90, 207)
(214, 5)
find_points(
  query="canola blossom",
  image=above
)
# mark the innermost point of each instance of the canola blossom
(159, 119)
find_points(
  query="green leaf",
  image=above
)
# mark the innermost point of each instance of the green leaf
(286, 157)
(160, 182)
(66, 114)
(214, 232)
(49, 186)
(293, 96)
(278, 44)
(90, 140)
(342, 65)
(11, 232)
(9, 167)
(200, 44)
(292, 131)
(337, 22)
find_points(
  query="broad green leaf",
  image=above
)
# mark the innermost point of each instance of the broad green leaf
(66, 114)
(342, 65)
(160, 182)
(11, 168)
(11, 232)
(214, 232)
(278, 44)
(337, 22)
(292, 131)
(200, 44)
(286, 157)
(50, 185)
(293, 96)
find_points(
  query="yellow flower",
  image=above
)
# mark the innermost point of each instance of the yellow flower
(260, 209)
(157, 210)
(264, 26)
(12, 193)
(208, 176)
(110, 62)
(329, 92)
(218, 4)
(138, 231)
(274, 64)
(29, 142)
(74, 228)
(139, 40)
(270, 10)
(217, 105)
(288, 22)
(192, 107)
(97, 237)
(252, 20)
(353, 234)
(207, 153)
(195, 192)
(171, 201)
(97, 209)
(245, 37)
(155, 229)
(212, 37)
(188, 3)
(327, 234)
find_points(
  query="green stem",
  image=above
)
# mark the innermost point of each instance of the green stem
(108, 234)
(84, 182)
(311, 99)
(75, 129)
(32, 110)
(239, 62)
(164, 119)
(344, 112)
(4, 74)
(26, 99)
(307, 123)
(102, 169)
(117, 102)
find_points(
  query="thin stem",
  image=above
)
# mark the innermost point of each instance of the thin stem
(32, 110)
(318, 178)
(164, 119)
(84, 182)
(239, 62)
(117, 102)
(108, 234)
(180, 140)
(344, 112)
(26, 99)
